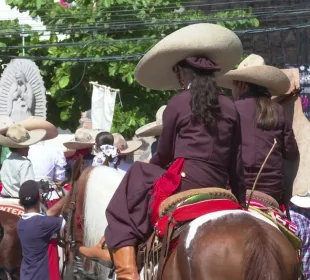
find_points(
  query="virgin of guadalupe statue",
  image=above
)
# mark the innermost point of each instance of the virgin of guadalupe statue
(20, 99)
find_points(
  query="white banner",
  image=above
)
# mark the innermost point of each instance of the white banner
(102, 107)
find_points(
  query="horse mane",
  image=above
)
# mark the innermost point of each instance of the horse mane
(262, 253)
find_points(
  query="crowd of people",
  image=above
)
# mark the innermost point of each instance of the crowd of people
(204, 138)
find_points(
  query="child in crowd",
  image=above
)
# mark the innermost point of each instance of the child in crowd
(107, 153)
(35, 231)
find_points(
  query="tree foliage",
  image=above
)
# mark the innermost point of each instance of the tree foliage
(107, 28)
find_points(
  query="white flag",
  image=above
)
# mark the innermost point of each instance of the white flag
(102, 107)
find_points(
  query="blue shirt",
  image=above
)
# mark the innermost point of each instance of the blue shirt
(35, 231)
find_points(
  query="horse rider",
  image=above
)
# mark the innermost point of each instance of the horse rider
(82, 144)
(125, 151)
(35, 231)
(201, 137)
(17, 168)
(262, 120)
(153, 129)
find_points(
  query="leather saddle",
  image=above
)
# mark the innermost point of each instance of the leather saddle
(180, 209)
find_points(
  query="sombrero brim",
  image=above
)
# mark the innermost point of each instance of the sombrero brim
(35, 137)
(150, 129)
(303, 202)
(33, 123)
(75, 145)
(220, 44)
(269, 77)
(131, 147)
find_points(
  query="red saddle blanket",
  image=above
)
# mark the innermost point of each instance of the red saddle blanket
(282, 220)
(190, 212)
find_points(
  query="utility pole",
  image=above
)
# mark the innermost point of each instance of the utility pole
(23, 38)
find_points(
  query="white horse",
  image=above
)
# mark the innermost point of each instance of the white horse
(100, 187)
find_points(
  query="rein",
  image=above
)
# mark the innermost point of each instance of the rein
(70, 244)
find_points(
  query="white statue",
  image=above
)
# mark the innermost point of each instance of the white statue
(22, 91)
(20, 99)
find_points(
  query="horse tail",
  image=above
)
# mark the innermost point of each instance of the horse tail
(264, 253)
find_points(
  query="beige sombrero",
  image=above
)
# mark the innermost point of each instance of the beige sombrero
(126, 147)
(253, 70)
(31, 123)
(218, 43)
(153, 128)
(18, 137)
(82, 140)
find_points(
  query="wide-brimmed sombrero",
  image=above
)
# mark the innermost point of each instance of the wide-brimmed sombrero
(82, 140)
(18, 137)
(126, 147)
(31, 123)
(153, 128)
(219, 44)
(253, 70)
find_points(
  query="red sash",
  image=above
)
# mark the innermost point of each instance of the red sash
(53, 261)
(166, 186)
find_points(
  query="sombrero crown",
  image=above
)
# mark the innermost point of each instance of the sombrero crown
(253, 70)
(221, 45)
(18, 137)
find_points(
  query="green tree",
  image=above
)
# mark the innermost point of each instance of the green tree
(118, 29)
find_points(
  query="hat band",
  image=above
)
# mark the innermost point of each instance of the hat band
(202, 63)
(21, 139)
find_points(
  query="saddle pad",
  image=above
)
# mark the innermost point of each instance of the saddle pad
(193, 196)
(11, 205)
(192, 211)
(286, 227)
(263, 198)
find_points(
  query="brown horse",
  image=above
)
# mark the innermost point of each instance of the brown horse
(10, 248)
(236, 245)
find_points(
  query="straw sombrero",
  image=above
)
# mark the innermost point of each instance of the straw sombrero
(82, 140)
(31, 123)
(253, 70)
(126, 147)
(18, 137)
(218, 43)
(153, 128)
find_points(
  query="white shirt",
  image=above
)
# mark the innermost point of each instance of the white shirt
(48, 161)
(14, 172)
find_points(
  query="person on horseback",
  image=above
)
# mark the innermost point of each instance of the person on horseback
(262, 120)
(17, 168)
(201, 137)
(82, 144)
(153, 129)
(125, 150)
(106, 153)
(35, 231)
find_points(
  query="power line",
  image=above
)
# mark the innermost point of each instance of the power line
(137, 56)
(122, 27)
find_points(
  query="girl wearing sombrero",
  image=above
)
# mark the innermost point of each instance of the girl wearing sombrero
(112, 150)
(262, 120)
(200, 137)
